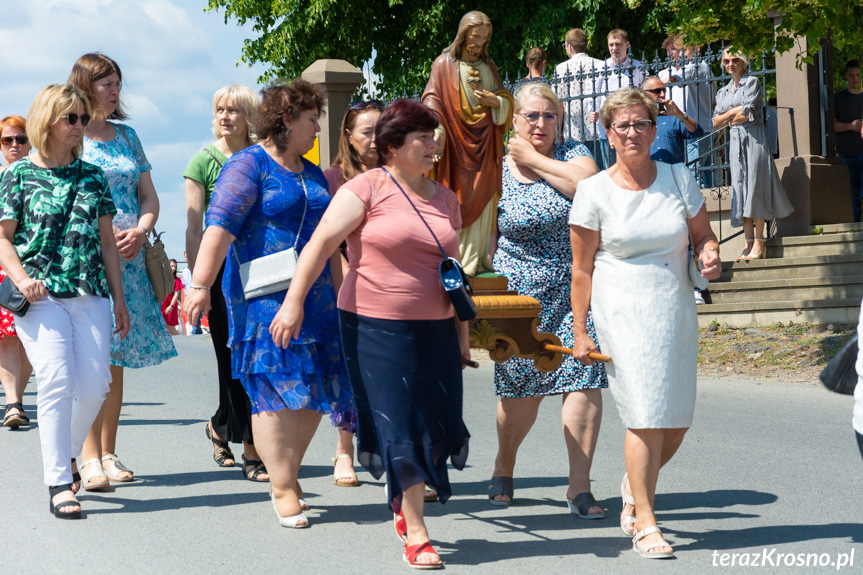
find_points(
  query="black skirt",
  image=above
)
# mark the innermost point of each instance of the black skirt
(407, 383)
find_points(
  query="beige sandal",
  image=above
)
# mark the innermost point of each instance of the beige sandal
(116, 468)
(762, 255)
(744, 254)
(645, 550)
(95, 472)
(342, 476)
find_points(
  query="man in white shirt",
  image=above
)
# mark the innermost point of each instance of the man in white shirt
(622, 73)
(695, 99)
(576, 77)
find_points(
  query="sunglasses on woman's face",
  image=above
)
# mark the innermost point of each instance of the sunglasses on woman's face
(360, 105)
(726, 61)
(73, 118)
(20, 140)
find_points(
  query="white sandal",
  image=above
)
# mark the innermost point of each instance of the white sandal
(114, 470)
(299, 521)
(645, 551)
(95, 471)
(627, 500)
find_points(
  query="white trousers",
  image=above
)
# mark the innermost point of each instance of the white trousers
(68, 341)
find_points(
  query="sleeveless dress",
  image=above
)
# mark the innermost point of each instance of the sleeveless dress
(535, 255)
(149, 342)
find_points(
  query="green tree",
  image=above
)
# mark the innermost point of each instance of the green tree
(405, 36)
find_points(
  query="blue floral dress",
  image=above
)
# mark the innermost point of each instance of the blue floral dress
(534, 253)
(261, 204)
(149, 342)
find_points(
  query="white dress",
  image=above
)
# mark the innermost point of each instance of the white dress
(641, 296)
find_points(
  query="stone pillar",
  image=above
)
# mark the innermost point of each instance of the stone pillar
(339, 79)
(817, 186)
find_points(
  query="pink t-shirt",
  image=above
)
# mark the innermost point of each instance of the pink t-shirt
(393, 258)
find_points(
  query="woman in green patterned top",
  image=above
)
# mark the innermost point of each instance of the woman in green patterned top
(57, 246)
(234, 110)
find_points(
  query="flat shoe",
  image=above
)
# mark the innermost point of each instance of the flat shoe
(299, 521)
(645, 551)
(55, 509)
(429, 494)
(221, 450)
(95, 472)
(580, 505)
(413, 551)
(500, 486)
(15, 420)
(627, 500)
(342, 476)
(114, 470)
(253, 469)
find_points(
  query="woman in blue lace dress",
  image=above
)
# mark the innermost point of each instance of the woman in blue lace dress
(265, 197)
(115, 148)
(533, 252)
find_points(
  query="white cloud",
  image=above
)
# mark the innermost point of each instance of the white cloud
(173, 56)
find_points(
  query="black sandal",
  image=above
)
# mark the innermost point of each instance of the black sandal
(15, 420)
(221, 450)
(253, 469)
(55, 509)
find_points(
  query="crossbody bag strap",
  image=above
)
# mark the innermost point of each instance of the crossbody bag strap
(302, 220)
(66, 218)
(212, 155)
(685, 219)
(443, 253)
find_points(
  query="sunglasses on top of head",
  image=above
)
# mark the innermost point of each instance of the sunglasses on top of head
(20, 140)
(360, 105)
(73, 118)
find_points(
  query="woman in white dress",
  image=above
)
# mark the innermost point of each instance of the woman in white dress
(630, 228)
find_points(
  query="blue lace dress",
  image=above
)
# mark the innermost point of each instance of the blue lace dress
(261, 204)
(534, 253)
(149, 342)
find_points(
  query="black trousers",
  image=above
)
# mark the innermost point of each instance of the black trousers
(860, 443)
(233, 418)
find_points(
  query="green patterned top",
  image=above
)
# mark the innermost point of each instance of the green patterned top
(37, 198)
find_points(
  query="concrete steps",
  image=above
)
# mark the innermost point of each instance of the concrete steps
(814, 279)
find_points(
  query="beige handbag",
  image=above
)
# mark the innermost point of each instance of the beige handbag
(158, 268)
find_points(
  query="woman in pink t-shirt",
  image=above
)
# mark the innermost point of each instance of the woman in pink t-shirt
(402, 344)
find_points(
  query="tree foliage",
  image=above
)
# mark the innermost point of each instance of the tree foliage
(405, 36)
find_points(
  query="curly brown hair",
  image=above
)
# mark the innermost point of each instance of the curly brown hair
(291, 100)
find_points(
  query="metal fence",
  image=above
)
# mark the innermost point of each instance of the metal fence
(582, 85)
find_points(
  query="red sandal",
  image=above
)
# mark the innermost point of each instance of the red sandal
(414, 551)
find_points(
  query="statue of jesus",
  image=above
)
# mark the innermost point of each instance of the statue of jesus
(474, 110)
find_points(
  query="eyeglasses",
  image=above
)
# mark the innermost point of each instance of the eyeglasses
(533, 117)
(726, 61)
(641, 126)
(656, 91)
(21, 140)
(360, 105)
(72, 118)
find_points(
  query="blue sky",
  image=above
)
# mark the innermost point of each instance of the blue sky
(173, 56)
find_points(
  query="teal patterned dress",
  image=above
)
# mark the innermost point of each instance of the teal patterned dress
(148, 343)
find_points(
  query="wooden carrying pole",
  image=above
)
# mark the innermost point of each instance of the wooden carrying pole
(592, 355)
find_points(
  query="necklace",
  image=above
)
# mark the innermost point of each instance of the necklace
(625, 181)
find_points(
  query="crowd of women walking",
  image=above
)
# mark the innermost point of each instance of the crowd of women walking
(364, 333)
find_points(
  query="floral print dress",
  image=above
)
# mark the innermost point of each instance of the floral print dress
(149, 342)
(535, 255)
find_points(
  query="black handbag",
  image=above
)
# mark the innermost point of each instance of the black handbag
(452, 277)
(11, 298)
(840, 375)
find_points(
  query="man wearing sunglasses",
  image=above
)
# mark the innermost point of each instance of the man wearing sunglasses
(673, 125)
(849, 138)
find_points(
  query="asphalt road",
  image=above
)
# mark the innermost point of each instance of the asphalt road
(770, 471)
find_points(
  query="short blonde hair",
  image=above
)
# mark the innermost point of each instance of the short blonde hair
(244, 99)
(732, 53)
(48, 106)
(626, 98)
(531, 89)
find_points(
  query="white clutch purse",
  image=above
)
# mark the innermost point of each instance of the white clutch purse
(272, 273)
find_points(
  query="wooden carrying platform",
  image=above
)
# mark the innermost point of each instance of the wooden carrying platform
(506, 325)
